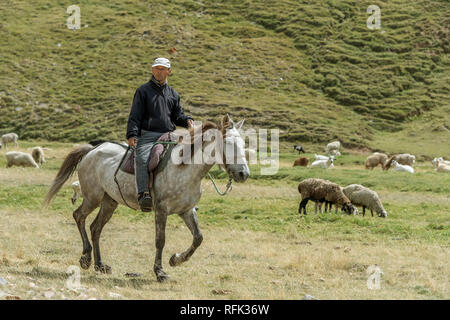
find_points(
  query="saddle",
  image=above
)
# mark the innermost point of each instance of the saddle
(158, 152)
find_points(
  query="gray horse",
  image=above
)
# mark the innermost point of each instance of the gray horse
(176, 189)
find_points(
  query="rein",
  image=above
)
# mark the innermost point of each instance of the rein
(229, 188)
(115, 178)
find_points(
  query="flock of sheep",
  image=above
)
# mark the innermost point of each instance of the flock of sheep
(21, 159)
(317, 190)
(398, 162)
(323, 191)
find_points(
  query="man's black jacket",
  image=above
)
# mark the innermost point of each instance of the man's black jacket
(155, 108)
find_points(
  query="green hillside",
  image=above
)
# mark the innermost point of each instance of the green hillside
(310, 68)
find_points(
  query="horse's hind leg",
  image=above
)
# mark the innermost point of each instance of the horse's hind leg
(191, 220)
(80, 215)
(104, 215)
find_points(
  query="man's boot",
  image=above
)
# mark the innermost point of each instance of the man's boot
(145, 201)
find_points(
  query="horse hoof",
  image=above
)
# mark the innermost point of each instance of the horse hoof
(175, 260)
(103, 268)
(85, 262)
(162, 276)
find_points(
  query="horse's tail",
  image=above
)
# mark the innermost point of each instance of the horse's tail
(66, 171)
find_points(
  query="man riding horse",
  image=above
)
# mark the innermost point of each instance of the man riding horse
(155, 110)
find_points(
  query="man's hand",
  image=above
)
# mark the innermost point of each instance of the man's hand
(190, 123)
(132, 142)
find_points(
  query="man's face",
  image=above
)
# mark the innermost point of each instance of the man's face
(161, 73)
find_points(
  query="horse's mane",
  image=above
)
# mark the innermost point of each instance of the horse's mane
(205, 126)
(195, 135)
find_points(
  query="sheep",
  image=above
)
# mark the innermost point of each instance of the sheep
(10, 137)
(335, 153)
(76, 191)
(335, 145)
(375, 159)
(439, 160)
(442, 167)
(299, 149)
(401, 167)
(323, 163)
(320, 157)
(362, 196)
(323, 190)
(38, 155)
(21, 159)
(302, 162)
(404, 158)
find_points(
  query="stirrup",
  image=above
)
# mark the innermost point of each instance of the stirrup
(146, 202)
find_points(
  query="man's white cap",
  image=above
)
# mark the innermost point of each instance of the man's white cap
(161, 62)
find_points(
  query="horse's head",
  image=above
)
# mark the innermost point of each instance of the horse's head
(234, 150)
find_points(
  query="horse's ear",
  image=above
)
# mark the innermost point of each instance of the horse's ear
(239, 124)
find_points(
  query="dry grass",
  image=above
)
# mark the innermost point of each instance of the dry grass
(37, 249)
(232, 263)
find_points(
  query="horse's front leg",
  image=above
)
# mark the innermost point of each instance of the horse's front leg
(191, 220)
(160, 234)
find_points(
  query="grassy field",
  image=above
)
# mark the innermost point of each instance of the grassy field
(312, 69)
(256, 246)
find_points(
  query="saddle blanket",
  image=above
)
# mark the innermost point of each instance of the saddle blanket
(155, 156)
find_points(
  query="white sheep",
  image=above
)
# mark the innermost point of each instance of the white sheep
(20, 159)
(403, 158)
(76, 191)
(335, 153)
(335, 145)
(439, 160)
(442, 167)
(320, 157)
(38, 155)
(362, 196)
(10, 137)
(323, 163)
(402, 167)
